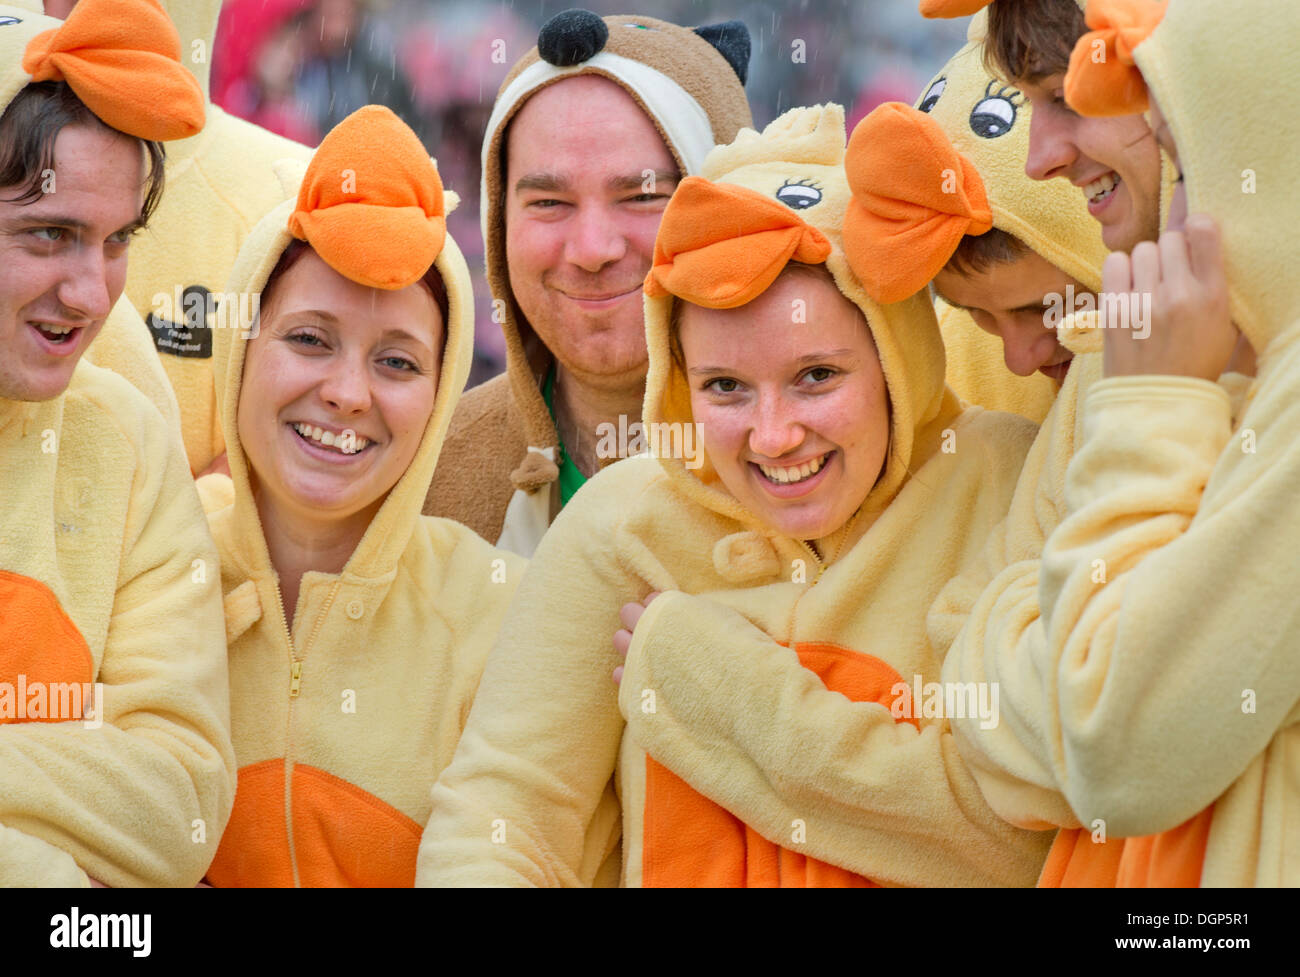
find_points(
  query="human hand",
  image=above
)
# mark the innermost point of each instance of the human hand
(1175, 295)
(629, 614)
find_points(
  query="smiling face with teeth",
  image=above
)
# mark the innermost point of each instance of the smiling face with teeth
(1113, 161)
(63, 258)
(338, 388)
(794, 415)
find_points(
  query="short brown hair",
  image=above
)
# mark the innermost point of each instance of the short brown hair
(978, 252)
(30, 125)
(1030, 39)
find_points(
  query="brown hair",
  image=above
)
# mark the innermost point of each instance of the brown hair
(432, 280)
(978, 252)
(30, 125)
(1030, 39)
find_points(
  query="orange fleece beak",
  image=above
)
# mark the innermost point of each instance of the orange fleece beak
(720, 246)
(371, 203)
(905, 221)
(1103, 79)
(952, 8)
(124, 61)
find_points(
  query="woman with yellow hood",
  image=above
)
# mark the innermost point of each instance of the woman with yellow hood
(357, 627)
(1171, 699)
(815, 485)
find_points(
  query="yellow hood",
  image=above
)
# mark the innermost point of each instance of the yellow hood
(806, 146)
(392, 526)
(1227, 92)
(988, 123)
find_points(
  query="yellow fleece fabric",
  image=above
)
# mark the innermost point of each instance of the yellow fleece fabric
(116, 584)
(341, 727)
(107, 575)
(720, 708)
(1161, 678)
(988, 123)
(219, 184)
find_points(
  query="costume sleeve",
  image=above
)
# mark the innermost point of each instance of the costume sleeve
(28, 862)
(1168, 598)
(741, 720)
(528, 798)
(142, 797)
(992, 609)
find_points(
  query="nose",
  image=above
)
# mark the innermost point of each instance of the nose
(1025, 350)
(777, 430)
(84, 290)
(346, 387)
(595, 239)
(1051, 146)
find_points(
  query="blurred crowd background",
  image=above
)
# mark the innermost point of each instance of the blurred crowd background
(297, 67)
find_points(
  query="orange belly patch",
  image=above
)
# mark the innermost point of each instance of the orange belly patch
(689, 841)
(1172, 859)
(343, 836)
(46, 669)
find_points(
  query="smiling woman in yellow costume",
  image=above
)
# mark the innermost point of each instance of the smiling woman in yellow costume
(798, 554)
(357, 627)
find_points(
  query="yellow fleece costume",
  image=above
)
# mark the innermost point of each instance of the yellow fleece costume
(109, 604)
(988, 123)
(341, 727)
(1151, 689)
(725, 758)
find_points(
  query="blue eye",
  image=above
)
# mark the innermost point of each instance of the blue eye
(9, 21)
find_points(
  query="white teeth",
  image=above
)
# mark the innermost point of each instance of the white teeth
(1097, 189)
(53, 330)
(786, 476)
(347, 442)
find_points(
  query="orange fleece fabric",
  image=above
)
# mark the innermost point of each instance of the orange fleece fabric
(371, 203)
(901, 229)
(1102, 79)
(123, 59)
(952, 8)
(725, 244)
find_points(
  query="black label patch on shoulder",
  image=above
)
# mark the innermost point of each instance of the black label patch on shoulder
(193, 336)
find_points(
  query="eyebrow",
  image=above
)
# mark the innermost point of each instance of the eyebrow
(1027, 307)
(827, 354)
(325, 315)
(556, 183)
(71, 223)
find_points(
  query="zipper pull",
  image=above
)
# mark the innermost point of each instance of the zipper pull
(295, 679)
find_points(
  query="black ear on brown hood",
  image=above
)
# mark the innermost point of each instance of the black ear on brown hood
(572, 37)
(732, 41)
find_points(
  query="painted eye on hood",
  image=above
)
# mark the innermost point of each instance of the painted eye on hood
(7, 21)
(932, 94)
(799, 195)
(995, 113)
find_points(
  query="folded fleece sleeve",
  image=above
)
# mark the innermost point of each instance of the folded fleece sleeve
(143, 798)
(988, 619)
(744, 723)
(528, 798)
(30, 863)
(1168, 599)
